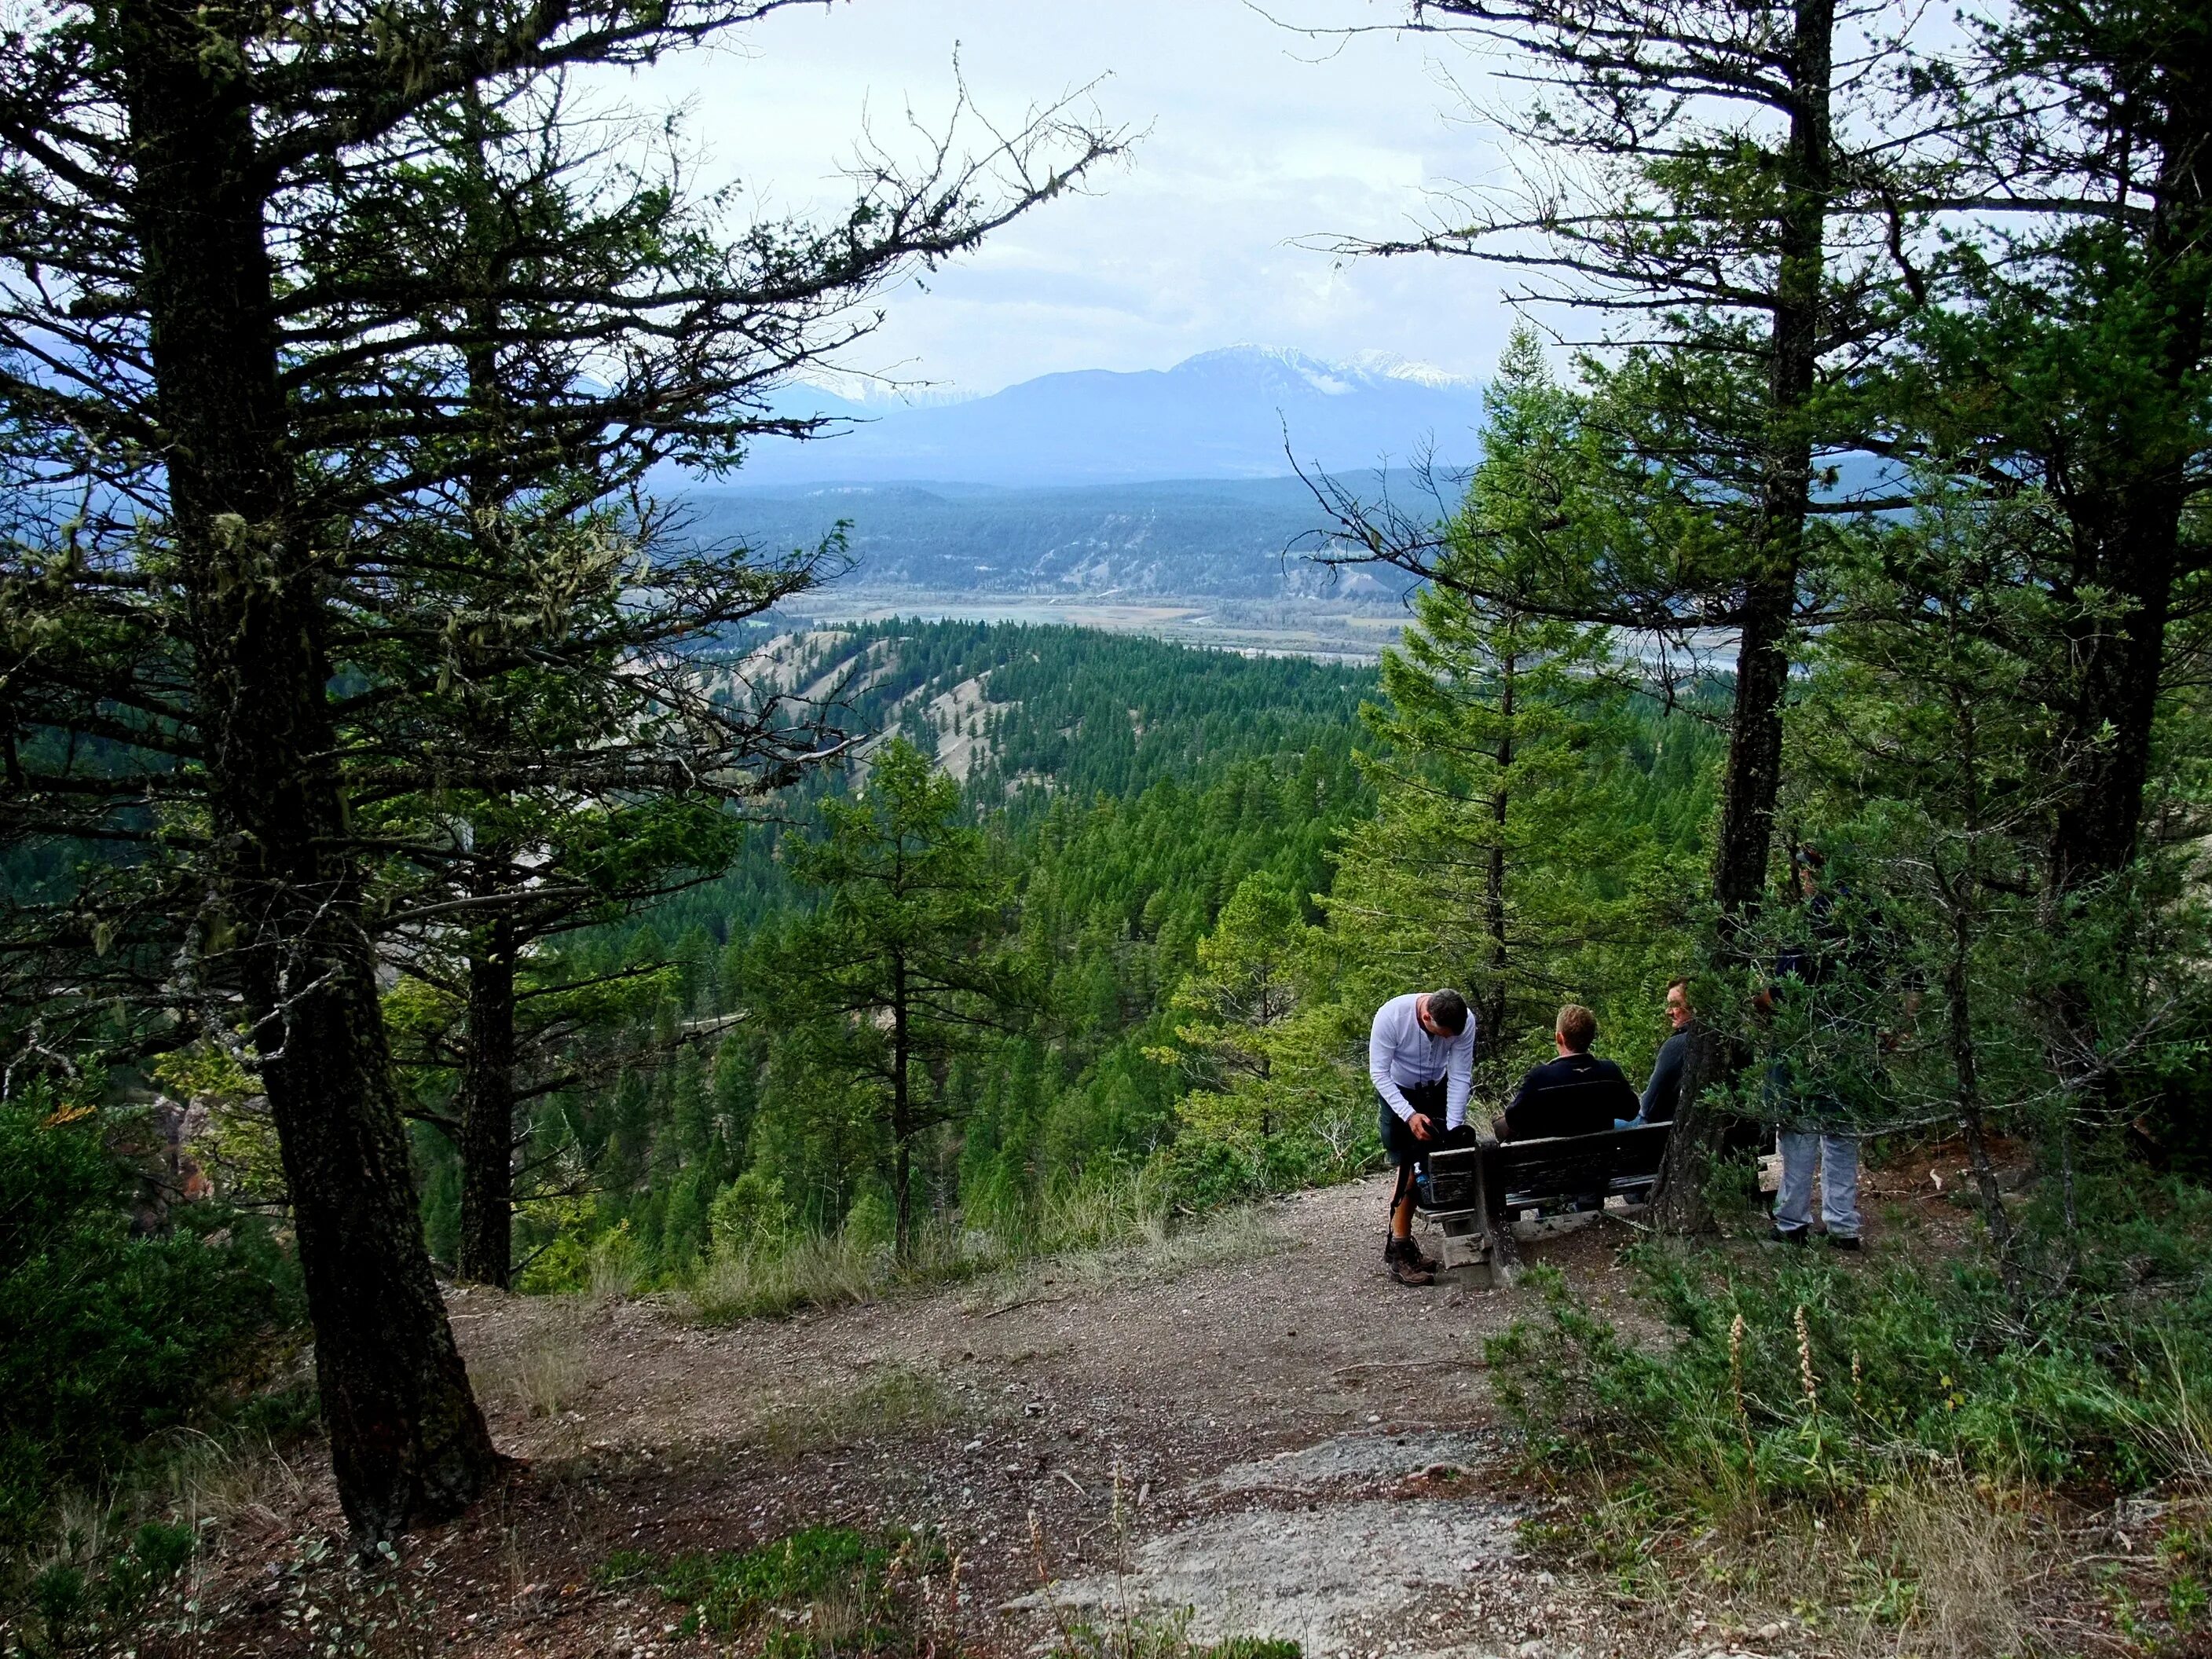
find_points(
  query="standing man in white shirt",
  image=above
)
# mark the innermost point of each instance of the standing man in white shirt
(1421, 1054)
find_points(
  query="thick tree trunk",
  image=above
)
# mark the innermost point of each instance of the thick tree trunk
(2121, 666)
(2129, 489)
(2126, 515)
(407, 1440)
(488, 1112)
(1753, 781)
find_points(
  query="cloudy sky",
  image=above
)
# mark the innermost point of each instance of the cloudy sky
(1255, 136)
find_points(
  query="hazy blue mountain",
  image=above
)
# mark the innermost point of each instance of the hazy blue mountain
(1224, 414)
(1217, 538)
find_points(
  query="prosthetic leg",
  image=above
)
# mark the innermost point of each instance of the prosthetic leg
(1406, 1263)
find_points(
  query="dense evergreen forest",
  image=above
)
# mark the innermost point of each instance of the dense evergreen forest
(1125, 793)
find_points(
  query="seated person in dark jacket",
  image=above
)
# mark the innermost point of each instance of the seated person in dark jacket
(1577, 1094)
(1663, 1094)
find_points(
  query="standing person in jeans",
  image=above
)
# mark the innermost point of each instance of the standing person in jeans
(1420, 1055)
(1815, 1136)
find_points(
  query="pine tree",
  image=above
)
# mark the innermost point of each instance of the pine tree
(1499, 859)
(1231, 1011)
(221, 429)
(903, 968)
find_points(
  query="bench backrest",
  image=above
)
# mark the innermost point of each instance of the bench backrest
(1573, 1166)
(1522, 1174)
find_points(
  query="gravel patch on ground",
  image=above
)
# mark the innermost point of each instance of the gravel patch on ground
(1323, 1577)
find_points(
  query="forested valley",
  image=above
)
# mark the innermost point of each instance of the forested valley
(546, 1106)
(1151, 834)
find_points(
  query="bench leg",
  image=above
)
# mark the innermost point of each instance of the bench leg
(1505, 1252)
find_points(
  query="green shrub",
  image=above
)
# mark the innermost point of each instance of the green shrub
(105, 1339)
(749, 1217)
(821, 1590)
(1802, 1377)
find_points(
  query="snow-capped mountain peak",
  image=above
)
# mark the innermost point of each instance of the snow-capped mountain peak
(1390, 365)
(1239, 412)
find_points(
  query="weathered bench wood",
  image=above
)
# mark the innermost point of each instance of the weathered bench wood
(1474, 1193)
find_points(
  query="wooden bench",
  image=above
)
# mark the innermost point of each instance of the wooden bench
(1475, 1193)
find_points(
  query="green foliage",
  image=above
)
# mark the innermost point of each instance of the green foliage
(1190, 1019)
(1795, 1378)
(748, 1216)
(106, 1339)
(901, 969)
(818, 1591)
(1507, 858)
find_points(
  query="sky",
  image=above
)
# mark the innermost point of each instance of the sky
(1255, 136)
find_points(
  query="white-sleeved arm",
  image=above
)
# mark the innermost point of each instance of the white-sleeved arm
(1380, 1050)
(1458, 1074)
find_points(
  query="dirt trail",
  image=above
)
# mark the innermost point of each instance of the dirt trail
(1254, 1425)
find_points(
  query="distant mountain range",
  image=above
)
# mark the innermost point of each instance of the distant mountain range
(1241, 412)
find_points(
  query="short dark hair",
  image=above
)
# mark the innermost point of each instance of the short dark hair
(1577, 1027)
(1449, 1010)
(1680, 982)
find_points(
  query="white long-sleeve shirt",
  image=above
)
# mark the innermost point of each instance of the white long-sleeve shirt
(1400, 1054)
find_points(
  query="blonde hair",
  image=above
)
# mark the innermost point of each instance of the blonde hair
(1577, 1027)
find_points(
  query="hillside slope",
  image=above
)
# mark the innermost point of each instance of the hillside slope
(1292, 1447)
(1013, 709)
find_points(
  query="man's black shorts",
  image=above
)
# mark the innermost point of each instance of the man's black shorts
(1400, 1143)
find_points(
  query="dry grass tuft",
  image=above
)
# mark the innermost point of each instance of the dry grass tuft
(1111, 1232)
(224, 1480)
(1922, 1568)
(546, 1373)
(888, 1400)
(1244, 1233)
(1959, 1557)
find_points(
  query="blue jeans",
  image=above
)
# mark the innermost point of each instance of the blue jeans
(1837, 1158)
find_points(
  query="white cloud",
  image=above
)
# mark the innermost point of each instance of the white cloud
(1257, 137)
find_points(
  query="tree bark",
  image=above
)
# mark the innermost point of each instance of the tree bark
(2127, 513)
(1966, 1078)
(488, 1112)
(407, 1441)
(1753, 781)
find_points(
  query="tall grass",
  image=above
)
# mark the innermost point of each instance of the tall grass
(816, 1270)
(545, 1372)
(1105, 1223)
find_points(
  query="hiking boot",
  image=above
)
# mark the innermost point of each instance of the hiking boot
(1407, 1267)
(1844, 1241)
(1787, 1235)
(1411, 1253)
